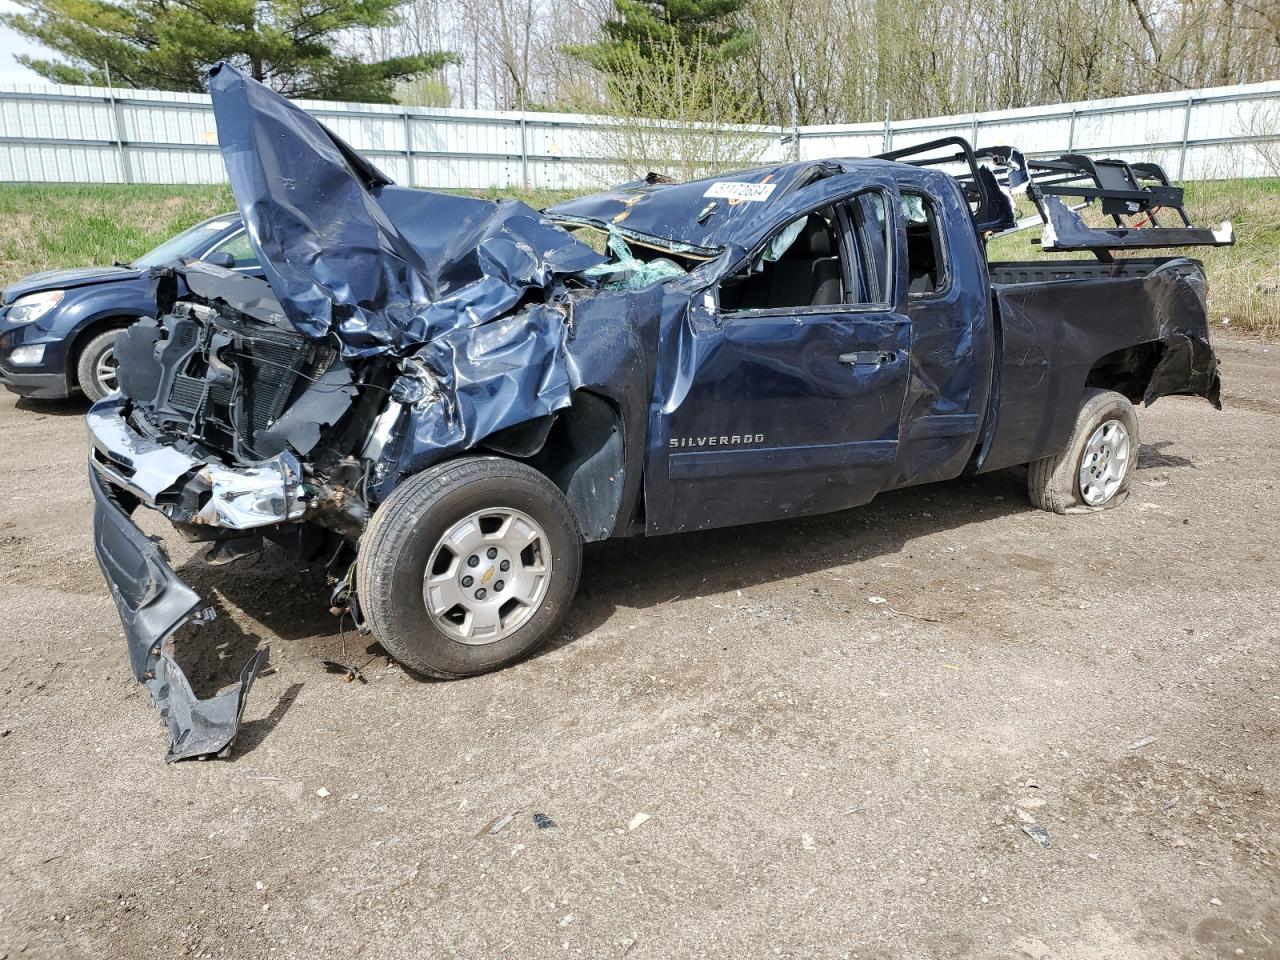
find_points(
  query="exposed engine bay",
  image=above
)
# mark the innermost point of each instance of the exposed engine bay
(276, 425)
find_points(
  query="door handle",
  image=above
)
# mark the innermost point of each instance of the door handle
(868, 358)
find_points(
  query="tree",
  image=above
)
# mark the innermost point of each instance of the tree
(169, 44)
(650, 28)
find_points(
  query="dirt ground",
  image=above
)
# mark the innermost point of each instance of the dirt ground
(837, 728)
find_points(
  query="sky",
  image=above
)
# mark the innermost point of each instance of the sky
(12, 44)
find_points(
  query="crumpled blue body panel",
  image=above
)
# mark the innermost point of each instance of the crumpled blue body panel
(383, 268)
(464, 292)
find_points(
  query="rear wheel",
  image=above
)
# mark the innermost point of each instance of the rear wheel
(1095, 470)
(96, 369)
(468, 566)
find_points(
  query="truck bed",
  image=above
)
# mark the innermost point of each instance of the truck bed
(1047, 271)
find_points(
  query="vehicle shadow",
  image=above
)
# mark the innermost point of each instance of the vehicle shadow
(254, 732)
(1151, 456)
(76, 406)
(642, 573)
(290, 598)
(280, 597)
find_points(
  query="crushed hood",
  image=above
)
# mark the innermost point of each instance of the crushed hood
(385, 269)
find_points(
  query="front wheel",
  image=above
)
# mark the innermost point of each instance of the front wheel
(96, 369)
(468, 566)
(1095, 470)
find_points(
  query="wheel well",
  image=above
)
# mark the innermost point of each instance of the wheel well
(1127, 371)
(584, 455)
(91, 330)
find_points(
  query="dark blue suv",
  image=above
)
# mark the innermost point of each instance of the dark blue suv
(58, 328)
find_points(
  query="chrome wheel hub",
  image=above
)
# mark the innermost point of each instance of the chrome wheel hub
(487, 575)
(1104, 463)
(104, 371)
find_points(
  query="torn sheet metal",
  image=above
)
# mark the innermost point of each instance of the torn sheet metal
(704, 217)
(153, 603)
(384, 268)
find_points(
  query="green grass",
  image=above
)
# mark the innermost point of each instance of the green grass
(46, 227)
(1244, 280)
(53, 226)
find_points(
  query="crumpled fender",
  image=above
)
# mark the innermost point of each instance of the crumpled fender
(432, 280)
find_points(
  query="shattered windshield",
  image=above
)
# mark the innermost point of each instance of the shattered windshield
(626, 271)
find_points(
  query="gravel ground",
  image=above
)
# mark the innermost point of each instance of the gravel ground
(837, 729)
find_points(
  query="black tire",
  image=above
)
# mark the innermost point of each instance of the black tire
(1053, 483)
(403, 535)
(97, 350)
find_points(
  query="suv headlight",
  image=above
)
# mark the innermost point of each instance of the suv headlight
(33, 306)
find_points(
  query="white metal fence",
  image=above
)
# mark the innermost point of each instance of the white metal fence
(97, 135)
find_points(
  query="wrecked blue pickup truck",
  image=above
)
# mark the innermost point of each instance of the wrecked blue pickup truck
(446, 397)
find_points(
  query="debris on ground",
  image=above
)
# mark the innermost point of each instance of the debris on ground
(542, 821)
(349, 672)
(639, 820)
(1144, 742)
(322, 793)
(501, 823)
(1037, 833)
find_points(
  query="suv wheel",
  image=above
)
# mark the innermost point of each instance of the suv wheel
(1095, 470)
(468, 566)
(96, 369)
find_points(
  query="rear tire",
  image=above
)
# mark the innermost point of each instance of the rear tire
(1095, 470)
(96, 368)
(417, 552)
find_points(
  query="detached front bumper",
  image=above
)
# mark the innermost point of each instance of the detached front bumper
(153, 603)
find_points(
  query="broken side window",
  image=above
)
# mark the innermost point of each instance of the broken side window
(800, 266)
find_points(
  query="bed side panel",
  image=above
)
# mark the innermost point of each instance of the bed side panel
(1052, 334)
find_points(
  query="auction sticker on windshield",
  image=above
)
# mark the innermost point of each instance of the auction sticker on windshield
(739, 190)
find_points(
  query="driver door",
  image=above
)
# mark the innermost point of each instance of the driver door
(789, 403)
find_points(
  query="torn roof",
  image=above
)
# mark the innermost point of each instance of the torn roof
(383, 268)
(704, 216)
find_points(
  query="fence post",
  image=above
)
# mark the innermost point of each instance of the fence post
(1186, 133)
(410, 179)
(886, 142)
(973, 133)
(524, 143)
(116, 124)
(1071, 132)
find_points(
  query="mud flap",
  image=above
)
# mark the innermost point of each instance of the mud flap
(153, 603)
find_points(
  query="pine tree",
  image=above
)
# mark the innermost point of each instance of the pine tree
(166, 45)
(648, 28)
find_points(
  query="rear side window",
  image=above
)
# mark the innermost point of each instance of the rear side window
(927, 266)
